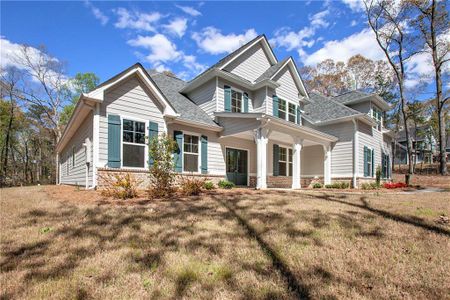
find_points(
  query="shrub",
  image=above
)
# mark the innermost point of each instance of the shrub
(378, 176)
(338, 185)
(396, 185)
(317, 185)
(120, 186)
(369, 186)
(225, 184)
(162, 175)
(192, 186)
(209, 185)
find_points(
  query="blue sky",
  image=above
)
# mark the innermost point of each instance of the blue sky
(185, 37)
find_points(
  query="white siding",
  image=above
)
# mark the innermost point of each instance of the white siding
(342, 152)
(250, 64)
(74, 172)
(128, 99)
(220, 96)
(372, 138)
(237, 125)
(259, 101)
(205, 96)
(288, 89)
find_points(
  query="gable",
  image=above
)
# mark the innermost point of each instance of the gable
(288, 89)
(250, 64)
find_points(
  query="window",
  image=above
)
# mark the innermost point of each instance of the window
(190, 153)
(385, 162)
(236, 101)
(377, 115)
(73, 157)
(292, 112)
(285, 162)
(368, 162)
(133, 138)
(282, 109)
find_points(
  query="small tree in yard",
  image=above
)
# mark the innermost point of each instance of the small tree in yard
(162, 175)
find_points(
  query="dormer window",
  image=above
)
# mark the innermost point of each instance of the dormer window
(377, 115)
(286, 110)
(282, 109)
(236, 101)
(292, 112)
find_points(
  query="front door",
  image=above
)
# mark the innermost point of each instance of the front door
(237, 166)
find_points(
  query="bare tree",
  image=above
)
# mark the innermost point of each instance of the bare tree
(388, 20)
(433, 26)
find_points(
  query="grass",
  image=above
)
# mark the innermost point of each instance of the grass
(61, 243)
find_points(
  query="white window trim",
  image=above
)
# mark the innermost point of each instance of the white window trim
(372, 114)
(146, 122)
(73, 154)
(242, 98)
(288, 162)
(199, 167)
(370, 161)
(248, 161)
(287, 109)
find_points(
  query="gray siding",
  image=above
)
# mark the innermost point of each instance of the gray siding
(342, 152)
(251, 64)
(312, 158)
(249, 145)
(288, 89)
(259, 101)
(363, 107)
(373, 139)
(130, 99)
(237, 125)
(74, 171)
(205, 96)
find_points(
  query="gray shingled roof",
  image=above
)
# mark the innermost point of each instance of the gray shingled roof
(187, 109)
(351, 96)
(272, 70)
(322, 109)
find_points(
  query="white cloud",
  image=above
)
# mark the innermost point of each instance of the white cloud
(177, 26)
(355, 5)
(354, 23)
(292, 40)
(212, 41)
(161, 48)
(189, 10)
(363, 42)
(136, 20)
(318, 20)
(98, 14)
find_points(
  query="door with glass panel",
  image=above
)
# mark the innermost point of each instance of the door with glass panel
(237, 163)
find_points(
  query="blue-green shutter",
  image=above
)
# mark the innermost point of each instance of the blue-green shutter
(178, 155)
(227, 97)
(366, 166)
(114, 125)
(276, 158)
(383, 165)
(152, 134)
(275, 105)
(388, 166)
(204, 160)
(245, 102)
(372, 158)
(298, 117)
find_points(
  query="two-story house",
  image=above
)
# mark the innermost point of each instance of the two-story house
(248, 119)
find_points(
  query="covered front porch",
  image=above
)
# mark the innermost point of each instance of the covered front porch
(275, 153)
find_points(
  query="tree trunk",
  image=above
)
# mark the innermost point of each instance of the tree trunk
(8, 132)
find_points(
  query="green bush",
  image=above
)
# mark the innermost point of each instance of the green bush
(338, 185)
(378, 176)
(369, 186)
(225, 184)
(209, 185)
(317, 185)
(120, 186)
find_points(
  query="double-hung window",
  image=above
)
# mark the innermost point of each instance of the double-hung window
(236, 101)
(368, 162)
(377, 115)
(292, 112)
(133, 144)
(190, 153)
(282, 109)
(285, 162)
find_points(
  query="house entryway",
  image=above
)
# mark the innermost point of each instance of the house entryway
(237, 166)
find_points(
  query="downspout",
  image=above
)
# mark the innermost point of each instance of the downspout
(96, 144)
(355, 154)
(58, 170)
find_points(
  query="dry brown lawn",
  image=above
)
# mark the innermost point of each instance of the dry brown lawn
(62, 243)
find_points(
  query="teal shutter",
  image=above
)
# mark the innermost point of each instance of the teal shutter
(366, 165)
(178, 155)
(114, 141)
(275, 105)
(204, 160)
(227, 96)
(383, 165)
(298, 118)
(372, 158)
(245, 102)
(152, 133)
(388, 166)
(276, 158)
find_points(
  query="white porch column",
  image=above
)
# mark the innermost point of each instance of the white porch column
(96, 144)
(327, 164)
(296, 163)
(262, 138)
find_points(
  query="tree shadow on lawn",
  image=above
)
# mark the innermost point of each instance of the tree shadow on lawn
(411, 220)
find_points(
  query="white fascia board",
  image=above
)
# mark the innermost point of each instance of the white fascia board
(171, 120)
(266, 47)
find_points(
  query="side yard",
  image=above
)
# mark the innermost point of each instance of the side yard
(60, 242)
